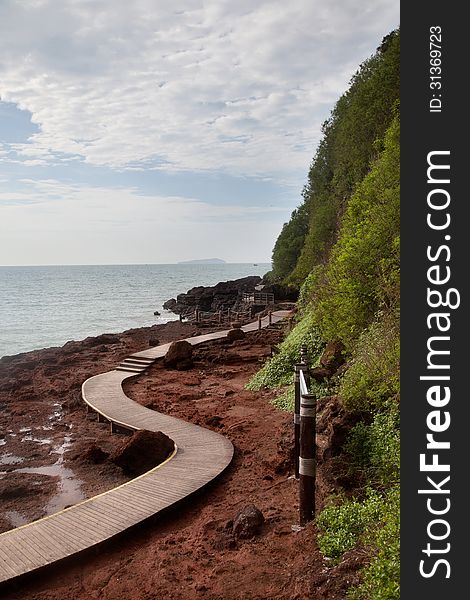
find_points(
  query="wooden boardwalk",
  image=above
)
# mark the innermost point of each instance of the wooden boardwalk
(200, 455)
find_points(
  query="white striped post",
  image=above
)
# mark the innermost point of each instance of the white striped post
(297, 370)
(307, 459)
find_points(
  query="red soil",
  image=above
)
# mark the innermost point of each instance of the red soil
(189, 552)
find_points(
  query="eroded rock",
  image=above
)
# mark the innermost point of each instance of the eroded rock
(143, 451)
(248, 521)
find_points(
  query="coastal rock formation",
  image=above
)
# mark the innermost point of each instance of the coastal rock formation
(226, 295)
(143, 451)
(222, 296)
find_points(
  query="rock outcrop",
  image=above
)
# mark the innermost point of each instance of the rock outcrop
(179, 353)
(227, 295)
(143, 451)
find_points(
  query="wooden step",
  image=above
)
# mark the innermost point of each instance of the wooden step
(129, 369)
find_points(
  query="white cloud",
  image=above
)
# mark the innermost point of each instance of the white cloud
(55, 223)
(240, 87)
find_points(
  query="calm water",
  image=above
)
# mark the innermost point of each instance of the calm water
(48, 306)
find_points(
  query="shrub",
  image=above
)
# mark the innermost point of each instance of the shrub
(362, 275)
(279, 369)
(375, 523)
(374, 375)
(375, 448)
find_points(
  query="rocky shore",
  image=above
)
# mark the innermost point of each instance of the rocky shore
(229, 295)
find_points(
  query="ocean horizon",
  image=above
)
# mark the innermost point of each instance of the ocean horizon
(49, 305)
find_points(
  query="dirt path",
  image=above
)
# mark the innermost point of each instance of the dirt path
(190, 552)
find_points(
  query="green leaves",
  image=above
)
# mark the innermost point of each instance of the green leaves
(279, 370)
(362, 275)
(374, 522)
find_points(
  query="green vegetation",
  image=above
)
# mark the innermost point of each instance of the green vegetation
(375, 523)
(279, 369)
(351, 140)
(341, 249)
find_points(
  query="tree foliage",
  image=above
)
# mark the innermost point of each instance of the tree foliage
(360, 118)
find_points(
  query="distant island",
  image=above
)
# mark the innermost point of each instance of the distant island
(203, 261)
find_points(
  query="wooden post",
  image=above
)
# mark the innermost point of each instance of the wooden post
(296, 419)
(307, 467)
(259, 321)
(196, 315)
(270, 317)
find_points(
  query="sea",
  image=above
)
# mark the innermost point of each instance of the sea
(44, 306)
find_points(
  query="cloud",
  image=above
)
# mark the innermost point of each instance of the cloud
(49, 220)
(238, 87)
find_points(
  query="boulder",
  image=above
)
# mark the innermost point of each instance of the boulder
(143, 451)
(94, 454)
(235, 334)
(332, 357)
(170, 304)
(320, 373)
(178, 352)
(248, 521)
(184, 365)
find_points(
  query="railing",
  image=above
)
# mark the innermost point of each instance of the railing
(216, 317)
(260, 298)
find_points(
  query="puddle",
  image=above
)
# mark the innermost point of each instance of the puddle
(24, 430)
(57, 414)
(10, 459)
(69, 488)
(41, 441)
(3, 442)
(16, 519)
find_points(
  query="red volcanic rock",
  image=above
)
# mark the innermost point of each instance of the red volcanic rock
(248, 522)
(179, 352)
(332, 357)
(143, 451)
(235, 334)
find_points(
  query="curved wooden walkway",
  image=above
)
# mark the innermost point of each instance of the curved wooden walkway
(200, 455)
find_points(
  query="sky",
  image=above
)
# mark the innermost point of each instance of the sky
(156, 131)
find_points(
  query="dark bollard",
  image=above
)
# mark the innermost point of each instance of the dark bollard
(297, 419)
(259, 321)
(270, 317)
(307, 459)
